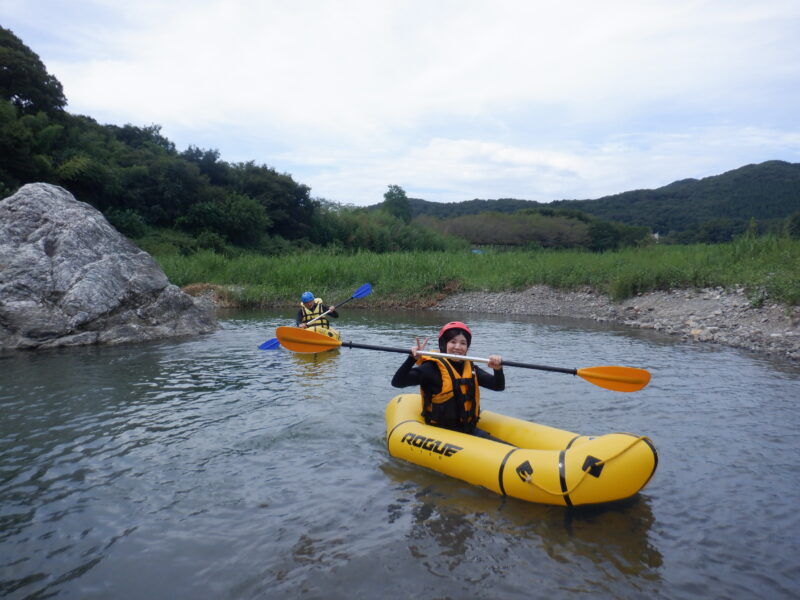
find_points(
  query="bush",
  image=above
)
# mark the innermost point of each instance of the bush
(208, 240)
(128, 222)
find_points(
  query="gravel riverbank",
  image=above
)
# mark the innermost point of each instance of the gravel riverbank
(713, 315)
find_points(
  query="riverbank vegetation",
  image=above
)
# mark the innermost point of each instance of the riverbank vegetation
(765, 266)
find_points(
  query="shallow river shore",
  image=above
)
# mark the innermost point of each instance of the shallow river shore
(714, 315)
(709, 315)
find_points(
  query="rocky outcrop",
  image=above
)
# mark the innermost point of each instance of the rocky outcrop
(68, 278)
(715, 315)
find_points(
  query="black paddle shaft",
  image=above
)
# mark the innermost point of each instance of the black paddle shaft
(506, 363)
(383, 348)
(512, 363)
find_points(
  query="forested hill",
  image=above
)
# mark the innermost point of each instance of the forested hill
(450, 210)
(765, 192)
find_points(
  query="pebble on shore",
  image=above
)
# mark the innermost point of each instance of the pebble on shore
(716, 315)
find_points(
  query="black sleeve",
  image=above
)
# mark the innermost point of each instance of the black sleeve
(496, 380)
(425, 375)
(299, 318)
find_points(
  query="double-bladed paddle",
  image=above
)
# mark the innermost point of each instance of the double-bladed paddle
(364, 290)
(619, 379)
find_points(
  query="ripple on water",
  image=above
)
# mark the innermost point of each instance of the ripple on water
(207, 468)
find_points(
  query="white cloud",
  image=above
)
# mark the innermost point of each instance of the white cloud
(457, 100)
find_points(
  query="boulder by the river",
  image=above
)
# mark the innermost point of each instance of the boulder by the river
(68, 278)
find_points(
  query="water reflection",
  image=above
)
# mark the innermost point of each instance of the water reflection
(449, 519)
(313, 362)
(618, 532)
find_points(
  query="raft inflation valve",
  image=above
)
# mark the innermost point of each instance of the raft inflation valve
(593, 465)
(525, 471)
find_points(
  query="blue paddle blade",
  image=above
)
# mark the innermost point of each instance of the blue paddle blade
(272, 344)
(364, 290)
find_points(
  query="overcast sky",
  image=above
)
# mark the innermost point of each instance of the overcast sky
(451, 100)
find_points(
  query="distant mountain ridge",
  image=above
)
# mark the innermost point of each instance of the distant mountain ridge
(767, 191)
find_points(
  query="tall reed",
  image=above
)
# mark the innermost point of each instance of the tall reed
(767, 267)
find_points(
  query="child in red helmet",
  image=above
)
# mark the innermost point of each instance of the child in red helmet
(449, 387)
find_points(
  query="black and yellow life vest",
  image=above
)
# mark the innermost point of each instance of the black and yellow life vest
(458, 404)
(316, 310)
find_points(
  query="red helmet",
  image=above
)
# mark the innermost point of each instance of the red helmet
(454, 325)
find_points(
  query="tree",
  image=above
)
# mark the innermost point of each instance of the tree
(21, 160)
(217, 171)
(171, 186)
(240, 219)
(24, 80)
(143, 137)
(288, 204)
(603, 236)
(396, 203)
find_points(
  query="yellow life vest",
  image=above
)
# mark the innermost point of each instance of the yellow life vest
(463, 398)
(316, 310)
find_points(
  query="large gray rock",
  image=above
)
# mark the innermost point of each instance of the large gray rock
(68, 278)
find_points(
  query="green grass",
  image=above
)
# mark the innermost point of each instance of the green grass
(767, 267)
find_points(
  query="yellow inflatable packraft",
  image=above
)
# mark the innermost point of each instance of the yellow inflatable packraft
(537, 464)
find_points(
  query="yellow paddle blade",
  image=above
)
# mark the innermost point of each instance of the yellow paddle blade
(619, 379)
(305, 340)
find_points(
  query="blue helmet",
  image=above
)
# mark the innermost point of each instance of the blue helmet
(306, 297)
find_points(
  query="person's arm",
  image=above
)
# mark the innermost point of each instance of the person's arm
(333, 312)
(406, 375)
(425, 375)
(496, 380)
(299, 318)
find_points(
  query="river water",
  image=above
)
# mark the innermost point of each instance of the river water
(205, 468)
